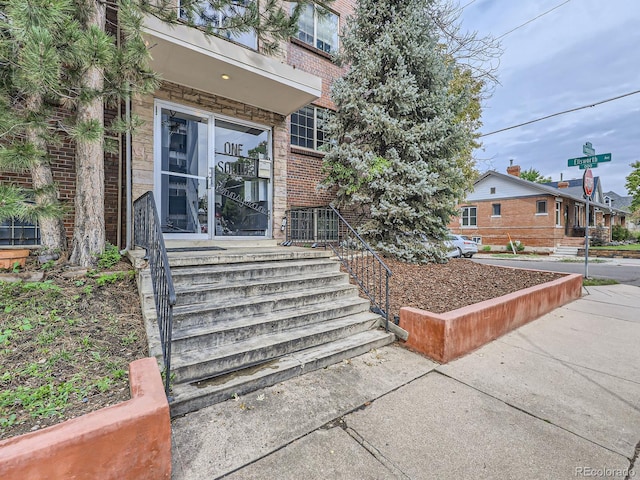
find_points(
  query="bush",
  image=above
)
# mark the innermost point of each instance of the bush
(110, 257)
(518, 244)
(619, 233)
(486, 248)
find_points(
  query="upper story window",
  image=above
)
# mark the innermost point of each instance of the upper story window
(319, 28)
(469, 216)
(495, 210)
(541, 207)
(205, 15)
(309, 127)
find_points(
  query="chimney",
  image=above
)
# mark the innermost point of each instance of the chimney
(562, 184)
(513, 169)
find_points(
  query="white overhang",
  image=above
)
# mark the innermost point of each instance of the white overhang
(187, 56)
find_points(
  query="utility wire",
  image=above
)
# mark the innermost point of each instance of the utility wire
(462, 8)
(562, 113)
(529, 21)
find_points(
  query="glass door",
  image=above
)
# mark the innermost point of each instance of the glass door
(242, 180)
(184, 173)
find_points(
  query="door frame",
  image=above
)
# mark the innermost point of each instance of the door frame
(157, 167)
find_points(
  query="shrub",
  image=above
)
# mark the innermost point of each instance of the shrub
(518, 244)
(620, 233)
(486, 248)
(110, 257)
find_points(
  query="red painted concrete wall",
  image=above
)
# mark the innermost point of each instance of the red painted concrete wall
(131, 440)
(444, 337)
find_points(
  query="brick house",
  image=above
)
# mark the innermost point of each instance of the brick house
(231, 140)
(541, 216)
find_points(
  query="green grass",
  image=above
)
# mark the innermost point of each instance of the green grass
(581, 260)
(595, 282)
(517, 257)
(633, 247)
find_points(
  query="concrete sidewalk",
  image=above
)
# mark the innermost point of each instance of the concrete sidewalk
(558, 398)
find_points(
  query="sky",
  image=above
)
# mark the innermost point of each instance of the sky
(583, 52)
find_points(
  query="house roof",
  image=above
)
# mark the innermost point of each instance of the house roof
(573, 192)
(620, 202)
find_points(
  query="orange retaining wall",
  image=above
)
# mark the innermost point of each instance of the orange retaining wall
(444, 337)
(130, 440)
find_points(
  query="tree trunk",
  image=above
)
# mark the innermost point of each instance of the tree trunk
(52, 233)
(89, 230)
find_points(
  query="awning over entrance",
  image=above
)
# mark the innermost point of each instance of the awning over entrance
(187, 56)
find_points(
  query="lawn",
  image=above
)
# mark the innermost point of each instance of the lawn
(630, 247)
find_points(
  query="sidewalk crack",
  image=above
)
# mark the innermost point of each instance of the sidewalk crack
(632, 463)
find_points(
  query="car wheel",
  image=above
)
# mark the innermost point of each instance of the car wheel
(459, 253)
(469, 255)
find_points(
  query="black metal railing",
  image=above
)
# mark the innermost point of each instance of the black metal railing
(325, 227)
(147, 233)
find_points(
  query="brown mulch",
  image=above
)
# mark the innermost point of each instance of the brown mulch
(440, 288)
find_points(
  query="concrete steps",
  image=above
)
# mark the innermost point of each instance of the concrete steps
(248, 318)
(565, 251)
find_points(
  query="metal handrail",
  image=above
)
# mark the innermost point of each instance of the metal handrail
(148, 235)
(325, 226)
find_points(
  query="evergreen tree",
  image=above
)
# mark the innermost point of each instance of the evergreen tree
(534, 175)
(33, 36)
(398, 129)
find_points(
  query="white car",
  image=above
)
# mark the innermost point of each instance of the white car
(464, 246)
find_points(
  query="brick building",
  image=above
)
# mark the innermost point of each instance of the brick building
(541, 216)
(231, 140)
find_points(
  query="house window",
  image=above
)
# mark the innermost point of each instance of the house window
(16, 232)
(495, 210)
(469, 216)
(309, 127)
(493, 190)
(319, 28)
(541, 207)
(558, 214)
(206, 16)
(478, 240)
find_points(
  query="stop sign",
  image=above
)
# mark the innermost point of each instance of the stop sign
(587, 182)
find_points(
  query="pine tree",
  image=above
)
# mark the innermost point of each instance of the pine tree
(33, 36)
(398, 129)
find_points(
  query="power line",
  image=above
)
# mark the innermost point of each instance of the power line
(533, 19)
(462, 8)
(562, 113)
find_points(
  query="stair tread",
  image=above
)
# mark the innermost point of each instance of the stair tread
(264, 281)
(219, 352)
(200, 307)
(182, 392)
(240, 267)
(279, 315)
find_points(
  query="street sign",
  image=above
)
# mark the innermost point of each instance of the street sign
(592, 159)
(587, 182)
(588, 165)
(588, 149)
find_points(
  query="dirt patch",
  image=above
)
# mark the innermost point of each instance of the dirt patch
(65, 344)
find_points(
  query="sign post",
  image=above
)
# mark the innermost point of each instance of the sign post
(587, 163)
(587, 186)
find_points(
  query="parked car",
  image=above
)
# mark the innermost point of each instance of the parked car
(464, 246)
(451, 249)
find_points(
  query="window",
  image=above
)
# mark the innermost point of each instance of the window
(493, 190)
(15, 232)
(308, 127)
(541, 207)
(495, 210)
(319, 28)
(469, 216)
(205, 15)
(478, 240)
(558, 214)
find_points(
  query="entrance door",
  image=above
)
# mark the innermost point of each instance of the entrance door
(242, 180)
(213, 175)
(184, 173)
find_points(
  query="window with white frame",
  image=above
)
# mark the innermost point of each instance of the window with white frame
(318, 27)
(541, 207)
(207, 16)
(558, 214)
(469, 216)
(309, 127)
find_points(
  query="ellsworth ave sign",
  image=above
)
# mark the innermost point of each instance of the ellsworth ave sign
(590, 161)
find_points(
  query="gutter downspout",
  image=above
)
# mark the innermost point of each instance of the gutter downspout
(128, 244)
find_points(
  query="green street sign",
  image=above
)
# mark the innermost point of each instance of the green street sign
(588, 165)
(590, 160)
